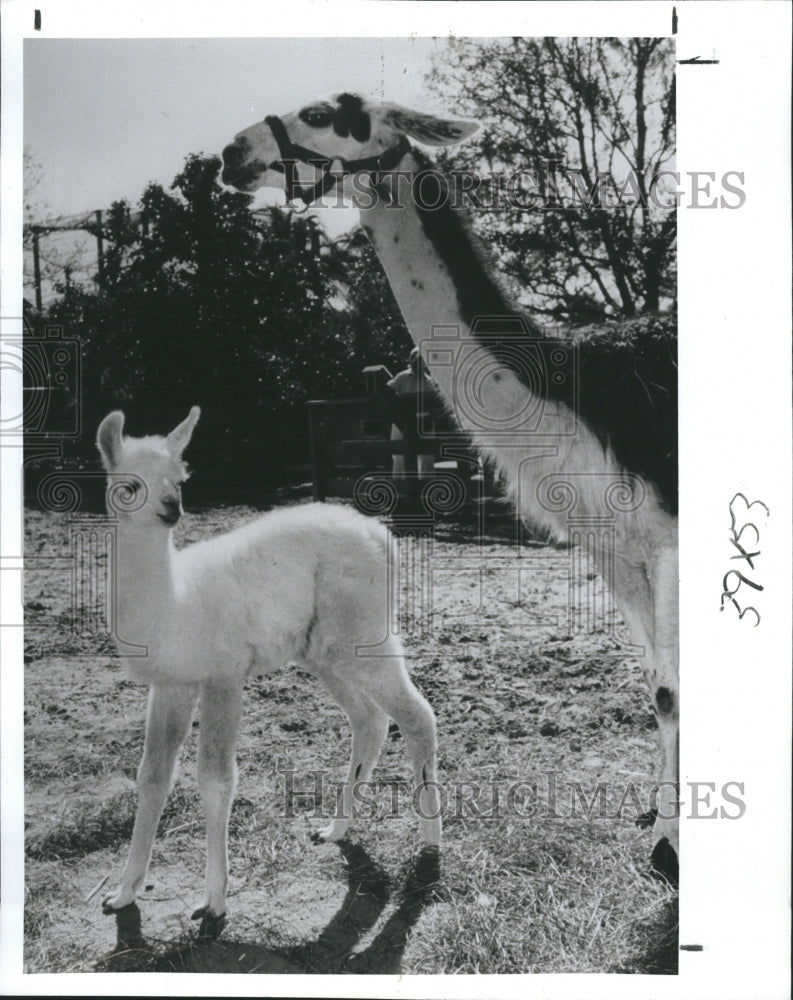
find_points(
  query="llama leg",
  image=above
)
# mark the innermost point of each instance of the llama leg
(221, 709)
(649, 605)
(169, 713)
(630, 586)
(369, 727)
(665, 692)
(396, 694)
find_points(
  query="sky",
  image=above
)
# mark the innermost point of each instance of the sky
(103, 117)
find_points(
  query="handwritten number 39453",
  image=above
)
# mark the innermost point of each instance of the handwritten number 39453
(748, 551)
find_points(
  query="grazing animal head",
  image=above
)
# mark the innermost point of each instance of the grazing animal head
(145, 475)
(345, 131)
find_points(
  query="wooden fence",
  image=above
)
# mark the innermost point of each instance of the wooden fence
(431, 468)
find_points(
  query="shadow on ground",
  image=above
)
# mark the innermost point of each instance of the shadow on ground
(338, 949)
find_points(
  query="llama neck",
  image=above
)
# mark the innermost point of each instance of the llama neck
(498, 382)
(144, 587)
(441, 284)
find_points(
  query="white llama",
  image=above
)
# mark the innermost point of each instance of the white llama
(306, 585)
(618, 465)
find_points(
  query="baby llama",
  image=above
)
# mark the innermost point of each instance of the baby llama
(307, 586)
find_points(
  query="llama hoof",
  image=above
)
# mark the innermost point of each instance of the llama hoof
(331, 834)
(114, 904)
(664, 862)
(647, 819)
(211, 925)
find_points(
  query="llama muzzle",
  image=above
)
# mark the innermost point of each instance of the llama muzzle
(173, 511)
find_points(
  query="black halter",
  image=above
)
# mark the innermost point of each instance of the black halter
(291, 153)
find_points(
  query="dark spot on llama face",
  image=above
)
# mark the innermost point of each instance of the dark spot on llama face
(351, 119)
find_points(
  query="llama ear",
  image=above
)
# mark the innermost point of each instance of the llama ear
(428, 129)
(179, 438)
(108, 439)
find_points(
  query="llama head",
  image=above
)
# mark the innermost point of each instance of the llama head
(344, 128)
(145, 475)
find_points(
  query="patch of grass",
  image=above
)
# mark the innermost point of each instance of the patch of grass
(469, 938)
(82, 831)
(550, 914)
(48, 898)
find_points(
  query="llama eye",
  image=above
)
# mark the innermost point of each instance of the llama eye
(316, 118)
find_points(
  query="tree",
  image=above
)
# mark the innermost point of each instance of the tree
(249, 315)
(373, 329)
(577, 132)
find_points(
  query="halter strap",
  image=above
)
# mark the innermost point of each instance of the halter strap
(291, 153)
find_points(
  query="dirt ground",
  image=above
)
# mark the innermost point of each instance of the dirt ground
(536, 705)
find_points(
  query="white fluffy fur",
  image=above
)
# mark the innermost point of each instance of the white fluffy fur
(307, 585)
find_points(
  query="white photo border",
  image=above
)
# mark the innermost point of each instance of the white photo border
(735, 435)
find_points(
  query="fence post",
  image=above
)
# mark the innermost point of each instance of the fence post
(100, 249)
(37, 269)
